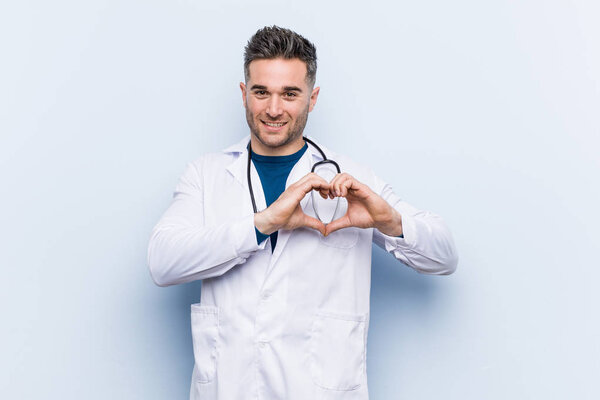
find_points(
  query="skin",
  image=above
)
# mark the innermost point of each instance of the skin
(277, 91)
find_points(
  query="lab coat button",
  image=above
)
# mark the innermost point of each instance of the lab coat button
(266, 295)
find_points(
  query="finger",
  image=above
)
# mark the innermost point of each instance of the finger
(343, 222)
(306, 184)
(345, 186)
(314, 224)
(338, 185)
(313, 185)
(313, 181)
(336, 179)
(340, 179)
(310, 177)
(306, 177)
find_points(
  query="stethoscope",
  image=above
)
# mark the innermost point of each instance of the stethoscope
(324, 161)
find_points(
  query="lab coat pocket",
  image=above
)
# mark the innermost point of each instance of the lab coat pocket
(205, 336)
(344, 238)
(337, 350)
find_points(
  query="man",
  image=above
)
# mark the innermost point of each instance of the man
(284, 308)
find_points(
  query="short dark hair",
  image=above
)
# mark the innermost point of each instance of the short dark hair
(274, 42)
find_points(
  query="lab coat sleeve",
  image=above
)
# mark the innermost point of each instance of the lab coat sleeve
(427, 246)
(183, 249)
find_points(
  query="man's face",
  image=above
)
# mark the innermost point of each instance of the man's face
(277, 100)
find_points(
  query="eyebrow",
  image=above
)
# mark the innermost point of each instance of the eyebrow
(261, 87)
(292, 89)
(285, 88)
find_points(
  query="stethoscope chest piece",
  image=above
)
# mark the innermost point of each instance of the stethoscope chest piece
(325, 209)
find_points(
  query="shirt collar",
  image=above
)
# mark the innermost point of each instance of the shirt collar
(240, 147)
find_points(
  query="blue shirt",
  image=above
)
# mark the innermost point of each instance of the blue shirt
(273, 172)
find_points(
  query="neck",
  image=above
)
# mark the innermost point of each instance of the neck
(285, 150)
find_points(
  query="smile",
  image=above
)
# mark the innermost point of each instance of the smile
(274, 124)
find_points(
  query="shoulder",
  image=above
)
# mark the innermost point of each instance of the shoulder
(350, 165)
(214, 161)
(357, 168)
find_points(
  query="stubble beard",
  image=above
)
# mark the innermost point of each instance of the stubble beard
(294, 132)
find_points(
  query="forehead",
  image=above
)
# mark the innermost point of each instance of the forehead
(278, 72)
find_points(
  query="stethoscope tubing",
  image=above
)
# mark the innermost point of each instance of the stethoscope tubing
(324, 161)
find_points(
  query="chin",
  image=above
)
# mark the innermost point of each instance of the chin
(274, 139)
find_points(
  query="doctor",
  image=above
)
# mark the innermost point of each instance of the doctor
(284, 308)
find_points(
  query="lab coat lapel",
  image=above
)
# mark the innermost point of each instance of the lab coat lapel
(238, 168)
(301, 168)
(259, 193)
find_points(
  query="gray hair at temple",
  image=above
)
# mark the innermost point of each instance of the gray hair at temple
(274, 42)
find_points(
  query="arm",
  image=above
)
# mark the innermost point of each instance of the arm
(427, 245)
(182, 249)
(420, 239)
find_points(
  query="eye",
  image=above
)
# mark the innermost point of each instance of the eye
(260, 93)
(290, 94)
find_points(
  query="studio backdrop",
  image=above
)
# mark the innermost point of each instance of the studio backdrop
(486, 113)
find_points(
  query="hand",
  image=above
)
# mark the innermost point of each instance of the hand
(286, 213)
(366, 209)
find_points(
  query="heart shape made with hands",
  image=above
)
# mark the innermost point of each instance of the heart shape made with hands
(326, 210)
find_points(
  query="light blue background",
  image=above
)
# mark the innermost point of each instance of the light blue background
(484, 112)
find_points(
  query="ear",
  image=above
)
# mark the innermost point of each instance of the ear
(313, 98)
(243, 88)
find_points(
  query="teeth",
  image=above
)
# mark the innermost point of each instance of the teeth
(275, 125)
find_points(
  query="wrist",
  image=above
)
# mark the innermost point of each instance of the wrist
(391, 225)
(263, 223)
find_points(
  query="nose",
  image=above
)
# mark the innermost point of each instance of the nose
(274, 108)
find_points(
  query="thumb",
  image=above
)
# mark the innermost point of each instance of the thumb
(314, 224)
(339, 223)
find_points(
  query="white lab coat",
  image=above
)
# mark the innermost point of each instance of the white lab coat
(292, 324)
